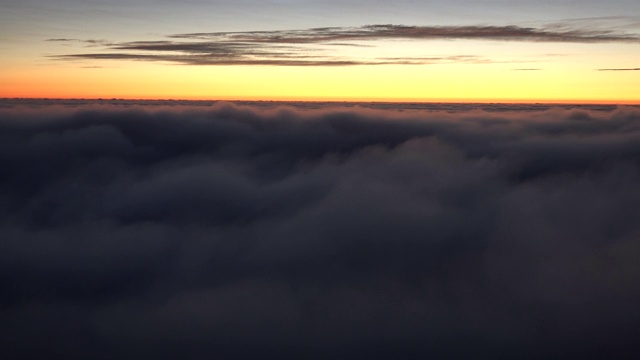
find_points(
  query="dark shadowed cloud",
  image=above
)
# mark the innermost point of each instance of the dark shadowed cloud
(309, 46)
(242, 231)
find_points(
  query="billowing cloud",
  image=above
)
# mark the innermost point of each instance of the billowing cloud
(200, 230)
(312, 47)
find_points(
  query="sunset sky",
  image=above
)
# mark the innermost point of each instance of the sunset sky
(493, 50)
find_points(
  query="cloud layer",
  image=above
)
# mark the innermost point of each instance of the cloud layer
(247, 231)
(317, 46)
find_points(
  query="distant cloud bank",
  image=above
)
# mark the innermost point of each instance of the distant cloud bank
(307, 231)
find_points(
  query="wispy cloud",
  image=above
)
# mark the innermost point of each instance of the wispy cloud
(87, 42)
(377, 32)
(621, 69)
(619, 23)
(315, 47)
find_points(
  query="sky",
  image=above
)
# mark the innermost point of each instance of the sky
(322, 50)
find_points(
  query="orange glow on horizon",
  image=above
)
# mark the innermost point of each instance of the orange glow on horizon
(336, 100)
(487, 83)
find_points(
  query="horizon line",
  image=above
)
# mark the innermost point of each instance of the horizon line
(342, 100)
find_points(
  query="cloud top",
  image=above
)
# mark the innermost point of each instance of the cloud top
(310, 230)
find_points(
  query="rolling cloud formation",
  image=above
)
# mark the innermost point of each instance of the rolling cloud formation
(303, 231)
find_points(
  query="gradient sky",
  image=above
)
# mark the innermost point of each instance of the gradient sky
(275, 50)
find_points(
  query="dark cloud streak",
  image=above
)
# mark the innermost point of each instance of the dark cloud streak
(308, 47)
(620, 69)
(378, 32)
(87, 42)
